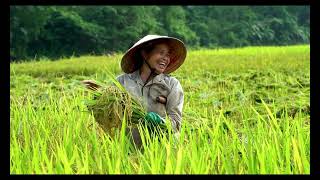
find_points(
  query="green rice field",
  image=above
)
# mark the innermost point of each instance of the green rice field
(246, 111)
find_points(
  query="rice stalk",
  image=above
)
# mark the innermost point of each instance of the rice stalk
(111, 105)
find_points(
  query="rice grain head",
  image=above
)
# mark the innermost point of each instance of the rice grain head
(111, 105)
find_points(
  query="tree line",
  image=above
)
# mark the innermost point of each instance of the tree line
(56, 31)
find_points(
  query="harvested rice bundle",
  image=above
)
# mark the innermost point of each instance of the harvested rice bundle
(111, 104)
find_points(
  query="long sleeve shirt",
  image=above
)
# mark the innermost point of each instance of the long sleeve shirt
(161, 85)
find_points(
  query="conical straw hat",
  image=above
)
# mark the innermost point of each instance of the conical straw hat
(130, 64)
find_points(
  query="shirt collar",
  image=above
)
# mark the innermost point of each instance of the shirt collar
(136, 76)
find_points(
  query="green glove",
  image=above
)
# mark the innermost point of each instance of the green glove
(154, 119)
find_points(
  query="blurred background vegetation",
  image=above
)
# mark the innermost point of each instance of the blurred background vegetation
(63, 31)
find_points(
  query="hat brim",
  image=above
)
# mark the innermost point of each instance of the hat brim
(130, 64)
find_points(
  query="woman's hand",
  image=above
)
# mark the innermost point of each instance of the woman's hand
(90, 84)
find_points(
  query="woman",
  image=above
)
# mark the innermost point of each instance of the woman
(146, 66)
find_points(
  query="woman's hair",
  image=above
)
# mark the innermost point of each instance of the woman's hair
(147, 48)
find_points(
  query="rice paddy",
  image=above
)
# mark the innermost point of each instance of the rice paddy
(246, 111)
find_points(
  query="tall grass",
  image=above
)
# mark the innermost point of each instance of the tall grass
(246, 111)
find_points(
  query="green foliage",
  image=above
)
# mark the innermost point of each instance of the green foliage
(67, 33)
(177, 26)
(26, 25)
(44, 31)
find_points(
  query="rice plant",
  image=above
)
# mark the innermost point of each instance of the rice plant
(246, 111)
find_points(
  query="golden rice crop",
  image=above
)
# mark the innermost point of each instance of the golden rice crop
(111, 105)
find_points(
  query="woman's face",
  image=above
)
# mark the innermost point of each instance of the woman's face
(159, 57)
